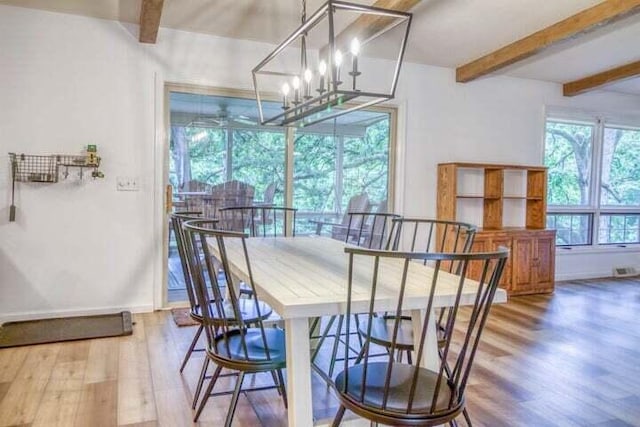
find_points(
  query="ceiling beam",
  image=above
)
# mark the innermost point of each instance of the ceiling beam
(589, 19)
(366, 25)
(595, 81)
(150, 14)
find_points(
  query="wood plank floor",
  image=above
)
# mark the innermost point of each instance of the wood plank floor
(568, 359)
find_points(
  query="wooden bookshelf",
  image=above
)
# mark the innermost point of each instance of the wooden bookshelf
(508, 204)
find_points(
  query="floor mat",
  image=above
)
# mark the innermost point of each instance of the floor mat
(13, 334)
(182, 318)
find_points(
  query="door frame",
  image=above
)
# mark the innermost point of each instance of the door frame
(396, 180)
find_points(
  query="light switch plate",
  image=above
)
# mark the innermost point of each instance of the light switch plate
(128, 183)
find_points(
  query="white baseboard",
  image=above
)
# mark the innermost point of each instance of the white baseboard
(13, 317)
(583, 275)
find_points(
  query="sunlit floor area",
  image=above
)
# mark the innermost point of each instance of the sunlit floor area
(568, 359)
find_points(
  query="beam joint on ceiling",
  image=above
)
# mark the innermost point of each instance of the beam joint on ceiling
(150, 13)
(601, 79)
(587, 20)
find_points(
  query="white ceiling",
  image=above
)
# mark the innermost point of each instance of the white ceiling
(446, 33)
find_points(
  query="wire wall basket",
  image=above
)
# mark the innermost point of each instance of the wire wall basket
(34, 168)
(49, 168)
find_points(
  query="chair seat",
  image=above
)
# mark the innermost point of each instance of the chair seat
(400, 384)
(382, 332)
(245, 289)
(248, 309)
(233, 350)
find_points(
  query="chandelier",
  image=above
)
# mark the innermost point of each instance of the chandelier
(319, 71)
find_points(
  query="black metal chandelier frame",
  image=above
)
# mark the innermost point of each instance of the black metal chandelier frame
(335, 100)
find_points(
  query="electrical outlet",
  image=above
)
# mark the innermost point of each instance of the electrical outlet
(127, 183)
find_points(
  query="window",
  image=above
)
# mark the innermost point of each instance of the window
(215, 139)
(334, 161)
(580, 154)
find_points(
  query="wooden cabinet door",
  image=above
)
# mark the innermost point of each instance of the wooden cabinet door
(522, 257)
(480, 244)
(544, 260)
(487, 243)
(496, 242)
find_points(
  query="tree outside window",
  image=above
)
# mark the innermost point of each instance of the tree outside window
(582, 215)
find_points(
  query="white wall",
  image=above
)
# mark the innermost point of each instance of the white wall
(66, 81)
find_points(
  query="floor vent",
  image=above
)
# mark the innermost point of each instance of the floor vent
(624, 272)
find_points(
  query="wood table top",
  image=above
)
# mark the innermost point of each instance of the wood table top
(307, 277)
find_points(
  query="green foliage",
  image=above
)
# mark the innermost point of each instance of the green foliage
(314, 172)
(623, 185)
(568, 156)
(258, 158)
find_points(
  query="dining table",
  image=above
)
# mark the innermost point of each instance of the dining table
(303, 278)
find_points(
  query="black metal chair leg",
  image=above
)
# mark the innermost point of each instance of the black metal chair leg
(205, 398)
(276, 382)
(467, 418)
(334, 351)
(361, 354)
(338, 418)
(357, 319)
(324, 335)
(283, 389)
(191, 347)
(203, 374)
(234, 400)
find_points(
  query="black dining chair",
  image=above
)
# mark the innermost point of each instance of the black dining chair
(176, 224)
(236, 340)
(372, 230)
(251, 310)
(259, 221)
(415, 235)
(401, 394)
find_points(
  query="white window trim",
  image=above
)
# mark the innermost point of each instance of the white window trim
(599, 121)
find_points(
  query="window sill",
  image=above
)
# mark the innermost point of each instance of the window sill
(577, 250)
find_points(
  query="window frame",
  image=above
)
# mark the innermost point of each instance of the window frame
(594, 208)
(392, 110)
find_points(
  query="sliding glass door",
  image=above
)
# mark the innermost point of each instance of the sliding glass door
(216, 141)
(335, 161)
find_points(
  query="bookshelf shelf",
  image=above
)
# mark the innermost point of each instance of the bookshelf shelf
(508, 204)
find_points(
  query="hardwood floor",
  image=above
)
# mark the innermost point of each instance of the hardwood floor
(568, 359)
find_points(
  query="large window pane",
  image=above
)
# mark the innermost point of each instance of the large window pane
(571, 229)
(258, 159)
(215, 139)
(619, 228)
(336, 161)
(568, 152)
(366, 164)
(198, 154)
(314, 173)
(620, 185)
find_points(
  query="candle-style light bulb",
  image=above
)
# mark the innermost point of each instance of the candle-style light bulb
(355, 46)
(296, 89)
(285, 93)
(322, 70)
(337, 59)
(308, 75)
(355, 50)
